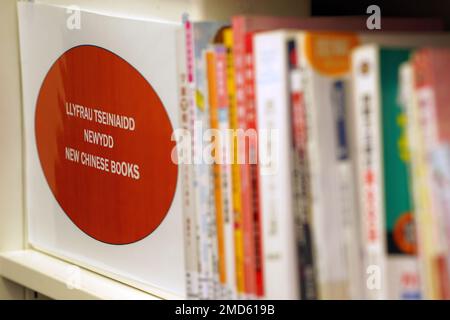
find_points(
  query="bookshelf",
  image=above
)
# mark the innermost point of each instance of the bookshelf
(25, 271)
(22, 267)
(49, 276)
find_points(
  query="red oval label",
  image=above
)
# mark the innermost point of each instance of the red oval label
(104, 142)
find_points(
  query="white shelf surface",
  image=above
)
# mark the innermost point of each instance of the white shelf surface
(58, 279)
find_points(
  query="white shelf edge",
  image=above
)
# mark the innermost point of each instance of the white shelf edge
(50, 276)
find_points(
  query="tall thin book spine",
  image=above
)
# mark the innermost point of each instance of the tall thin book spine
(216, 167)
(209, 197)
(187, 109)
(420, 193)
(275, 160)
(225, 169)
(301, 180)
(436, 268)
(235, 167)
(400, 250)
(253, 167)
(246, 191)
(366, 104)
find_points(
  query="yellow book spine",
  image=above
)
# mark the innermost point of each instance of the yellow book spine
(428, 248)
(235, 169)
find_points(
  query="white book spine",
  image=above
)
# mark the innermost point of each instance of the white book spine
(187, 175)
(318, 233)
(331, 171)
(353, 222)
(227, 206)
(368, 152)
(415, 145)
(275, 157)
(201, 174)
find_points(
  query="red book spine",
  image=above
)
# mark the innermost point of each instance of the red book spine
(243, 157)
(250, 99)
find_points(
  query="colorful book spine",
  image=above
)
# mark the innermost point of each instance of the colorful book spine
(399, 215)
(235, 167)
(226, 179)
(211, 69)
(245, 175)
(383, 172)
(219, 123)
(251, 124)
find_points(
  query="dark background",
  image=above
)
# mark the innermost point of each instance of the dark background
(392, 8)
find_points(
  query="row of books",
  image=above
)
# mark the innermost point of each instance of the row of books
(333, 181)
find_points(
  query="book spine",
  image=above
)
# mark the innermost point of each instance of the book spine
(352, 223)
(341, 101)
(427, 121)
(315, 123)
(437, 266)
(366, 104)
(275, 160)
(216, 167)
(345, 189)
(246, 203)
(408, 99)
(212, 235)
(440, 162)
(186, 115)
(326, 70)
(420, 193)
(301, 181)
(401, 263)
(253, 167)
(235, 167)
(202, 183)
(225, 167)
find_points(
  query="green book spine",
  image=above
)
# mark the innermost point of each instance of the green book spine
(399, 224)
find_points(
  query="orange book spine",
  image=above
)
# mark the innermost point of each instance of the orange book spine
(214, 124)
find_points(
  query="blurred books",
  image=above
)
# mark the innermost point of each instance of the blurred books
(318, 164)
